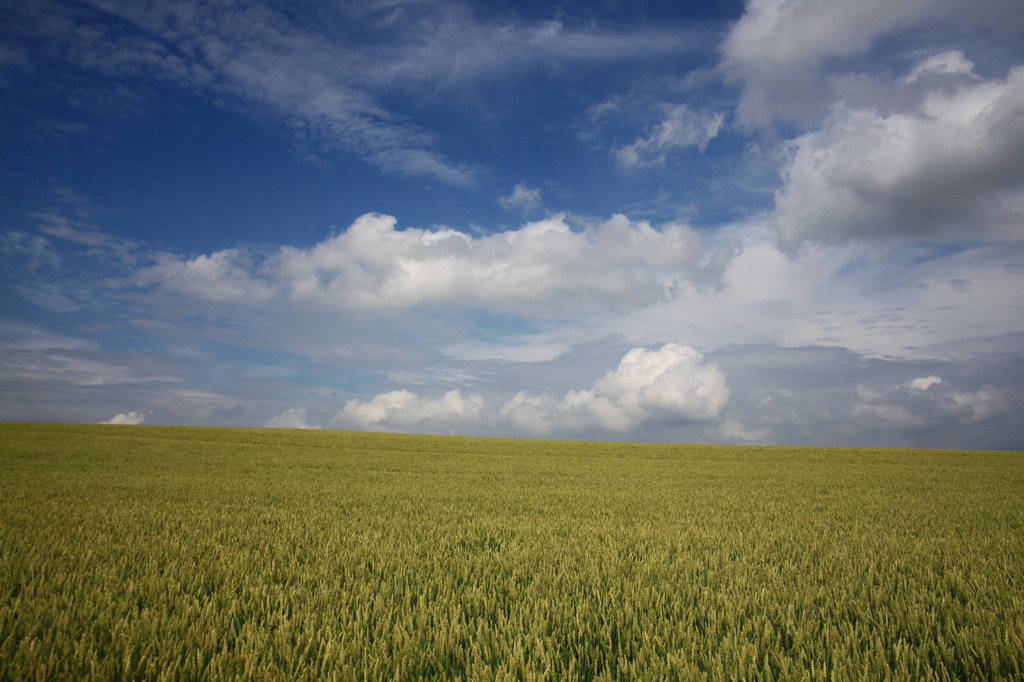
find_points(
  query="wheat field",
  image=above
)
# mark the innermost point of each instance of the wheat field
(188, 553)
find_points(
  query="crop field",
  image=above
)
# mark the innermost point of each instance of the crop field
(149, 552)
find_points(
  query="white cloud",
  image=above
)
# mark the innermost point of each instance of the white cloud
(671, 383)
(294, 418)
(949, 167)
(620, 278)
(221, 276)
(405, 411)
(922, 383)
(777, 48)
(929, 402)
(946, 63)
(544, 267)
(680, 128)
(736, 432)
(523, 198)
(605, 107)
(911, 301)
(670, 386)
(127, 418)
(814, 395)
(664, 388)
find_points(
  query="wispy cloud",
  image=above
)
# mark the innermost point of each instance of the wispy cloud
(35, 249)
(323, 73)
(523, 198)
(20, 336)
(252, 55)
(680, 128)
(445, 45)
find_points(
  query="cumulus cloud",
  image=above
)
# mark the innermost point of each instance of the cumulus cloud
(544, 266)
(670, 386)
(681, 128)
(127, 418)
(951, 166)
(922, 383)
(294, 418)
(523, 198)
(928, 402)
(777, 48)
(405, 411)
(828, 395)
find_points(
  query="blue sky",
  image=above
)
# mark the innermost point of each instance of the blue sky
(784, 221)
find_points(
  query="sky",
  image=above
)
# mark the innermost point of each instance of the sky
(775, 222)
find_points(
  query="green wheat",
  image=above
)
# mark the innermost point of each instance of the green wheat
(215, 554)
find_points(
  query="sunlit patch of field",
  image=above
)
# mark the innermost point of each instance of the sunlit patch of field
(206, 553)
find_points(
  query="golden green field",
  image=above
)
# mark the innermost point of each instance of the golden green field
(186, 553)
